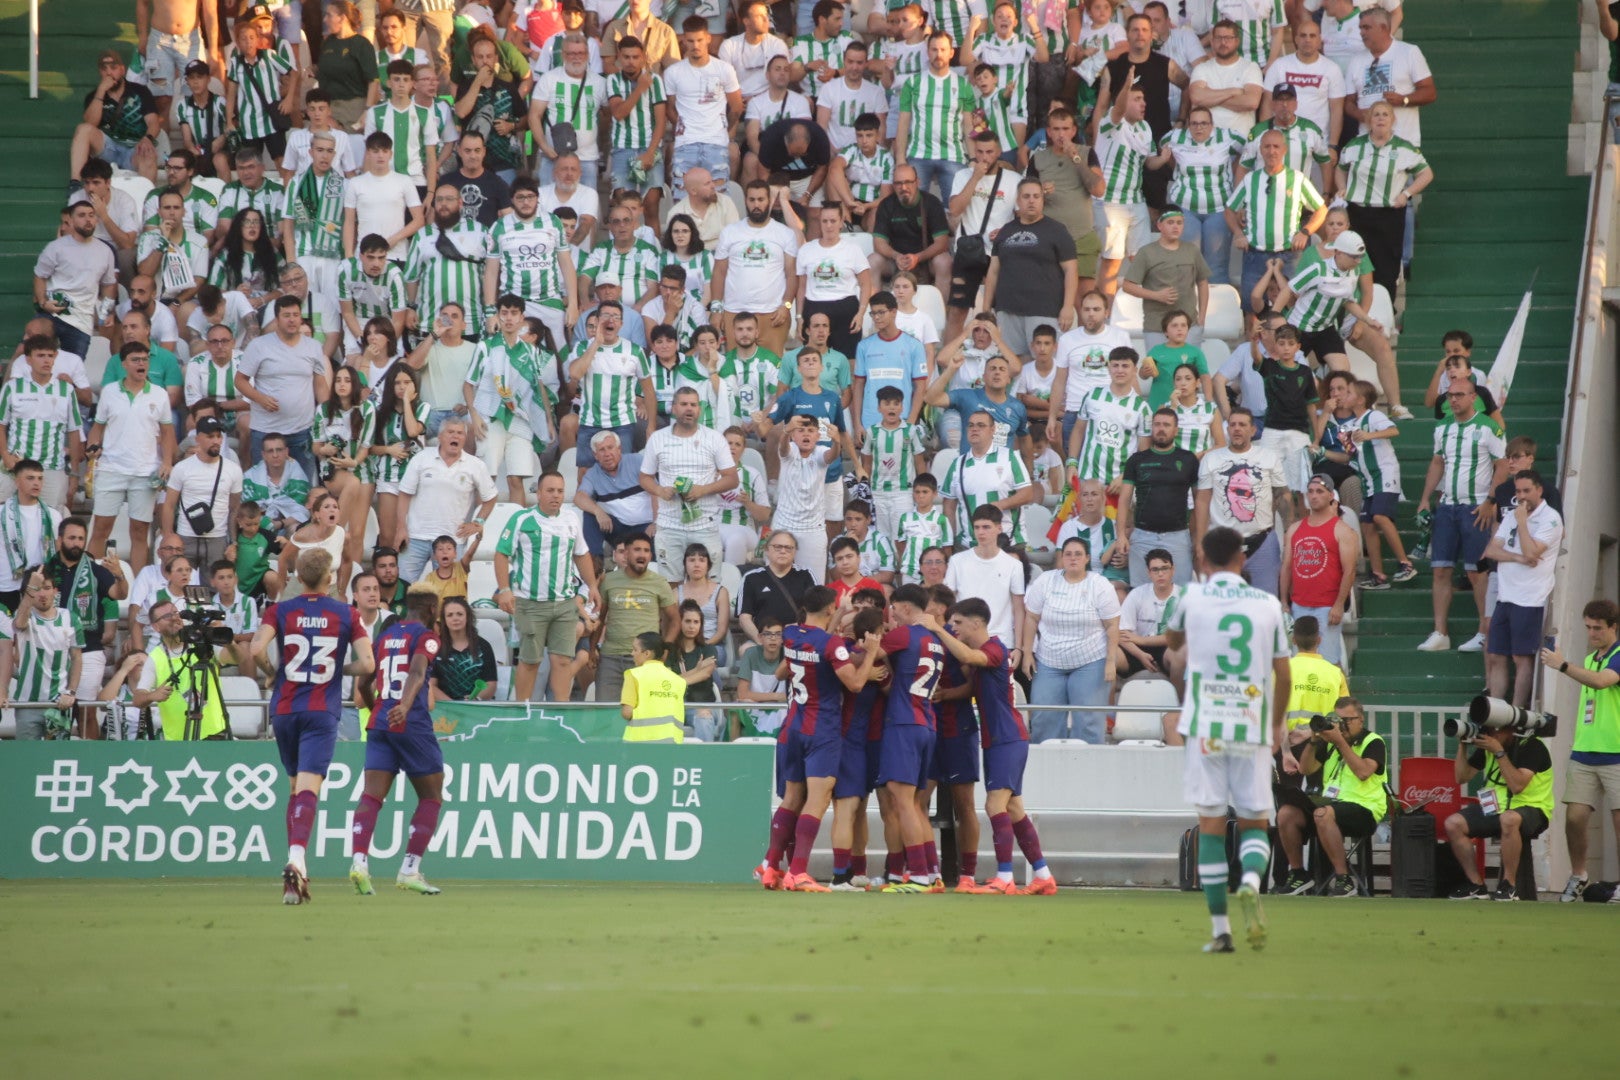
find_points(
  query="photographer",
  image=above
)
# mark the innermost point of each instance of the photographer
(1514, 805)
(1352, 762)
(172, 673)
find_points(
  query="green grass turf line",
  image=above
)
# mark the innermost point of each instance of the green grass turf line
(218, 979)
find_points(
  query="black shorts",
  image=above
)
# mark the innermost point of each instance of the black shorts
(1532, 822)
(1133, 665)
(274, 144)
(1355, 821)
(1322, 343)
(964, 288)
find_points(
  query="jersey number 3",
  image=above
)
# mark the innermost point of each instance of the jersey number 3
(1238, 656)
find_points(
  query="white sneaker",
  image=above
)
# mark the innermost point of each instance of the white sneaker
(847, 886)
(860, 881)
(1473, 644)
(1435, 642)
(1399, 412)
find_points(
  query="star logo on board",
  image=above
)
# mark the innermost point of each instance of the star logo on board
(180, 777)
(110, 786)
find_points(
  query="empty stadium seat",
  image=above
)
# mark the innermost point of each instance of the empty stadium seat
(494, 633)
(247, 721)
(1037, 520)
(942, 462)
(95, 359)
(1127, 314)
(932, 303)
(1383, 313)
(481, 580)
(1144, 698)
(861, 240)
(492, 530)
(1225, 318)
(568, 465)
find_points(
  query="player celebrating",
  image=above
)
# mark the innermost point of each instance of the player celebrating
(312, 632)
(400, 739)
(955, 762)
(858, 760)
(915, 657)
(1237, 646)
(819, 668)
(1005, 738)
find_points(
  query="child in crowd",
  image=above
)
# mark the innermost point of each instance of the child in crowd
(890, 456)
(1164, 358)
(878, 559)
(922, 527)
(241, 615)
(252, 552)
(446, 574)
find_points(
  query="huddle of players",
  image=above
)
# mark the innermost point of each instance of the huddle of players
(317, 641)
(904, 703)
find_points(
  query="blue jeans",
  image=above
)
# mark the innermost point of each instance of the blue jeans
(414, 559)
(1209, 234)
(1332, 649)
(70, 337)
(1178, 544)
(1083, 685)
(710, 156)
(930, 170)
(587, 171)
(436, 419)
(300, 447)
(619, 171)
(1254, 268)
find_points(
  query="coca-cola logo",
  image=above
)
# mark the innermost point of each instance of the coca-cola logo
(1414, 795)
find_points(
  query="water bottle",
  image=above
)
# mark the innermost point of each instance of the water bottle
(691, 512)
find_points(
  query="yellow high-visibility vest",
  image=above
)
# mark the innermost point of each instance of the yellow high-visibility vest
(657, 700)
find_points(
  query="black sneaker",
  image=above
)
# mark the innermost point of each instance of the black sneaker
(1504, 891)
(1372, 582)
(1405, 572)
(1219, 943)
(1573, 889)
(1469, 891)
(1341, 886)
(1298, 883)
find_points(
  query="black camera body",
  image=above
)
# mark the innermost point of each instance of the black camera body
(1321, 725)
(199, 615)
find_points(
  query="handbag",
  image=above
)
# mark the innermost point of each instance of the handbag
(564, 136)
(279, 121)
(971, 254)
(200, 515)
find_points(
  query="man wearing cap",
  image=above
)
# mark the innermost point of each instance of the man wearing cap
(1307, 145)
(1168, 276)
(1317, 298)
(120, 122)
(204, 491)
(1319, 565)
(167, 35)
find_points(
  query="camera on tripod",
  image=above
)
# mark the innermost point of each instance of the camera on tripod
(199, 615)
(1493, 714)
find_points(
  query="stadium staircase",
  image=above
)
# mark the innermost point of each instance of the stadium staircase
(34, 135)
(1501, 209)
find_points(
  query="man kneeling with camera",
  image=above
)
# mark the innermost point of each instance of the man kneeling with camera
(1352, 761)
(1515, 804)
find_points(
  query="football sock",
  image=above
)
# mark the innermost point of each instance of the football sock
(410, 865)
(804, 838)
(841, 862)
(1254, 850)
(933, 856)
(917, 864)
(365, 823)
(423, 822)
(857, 865)
(1222, 924)
(1212, 873)
(1029, 842)
(782, 823)
(968, 863)
(1001, 832)
(301, 820)
(894, 865)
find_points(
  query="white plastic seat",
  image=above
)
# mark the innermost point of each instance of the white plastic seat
(1127, 313)
(1037, 520)
(95, 360)
(492, 530)
(1144, 698)
(942, 462)
(931, 302)
(481, 581)
(136, 186)
(1383, 313)
(754, 460)
(861, 240)
(734, 192)
(492, 632)
(247, 721)
(1225, 318)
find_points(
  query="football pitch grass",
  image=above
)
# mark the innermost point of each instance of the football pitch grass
(217, 979)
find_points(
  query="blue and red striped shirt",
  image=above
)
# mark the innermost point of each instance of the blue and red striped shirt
(866, 702)
(395, 649)
(313, 635)
(999, 718)
(955, 716)
(815, 692)
(916, 657)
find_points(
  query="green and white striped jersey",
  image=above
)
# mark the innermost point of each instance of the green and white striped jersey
(634, 132)
(571, 100)
(1273, 206)
(919, 531)
(998, 118)
(1470, 450)
(258, 88)
(1378, 173)
(1098, 537)
(46, 659)
(750, 485)
(439, 278)
(1320, 291)
(1010, 57)
(699, 269)
(269, 199)
(37, 419)
(417, 58)
(315, 205)
(807, 50)
(877, 553)
(541, 549)
(954, 17)
(372, 297)
(528, 253)
(202, 208)
(413, 129)
(1203, 178)
(974, 481)
(1122, 148)
(241, 614)
(1255, 20)
(608, 391)
(1374, 460)
(716, 392)
(1306, 144)
(390, 470)
(1113, 426)
(348, 429)
(1234, 631)
(207, 121)
(206, 379)
(635, 270)
(937, 106)
(755, 378)
(867, 175)
(1192, 431)
(894, 455)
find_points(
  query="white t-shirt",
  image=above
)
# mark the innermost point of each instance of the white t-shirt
(550, 88)
(1031, 381)
(699, 94)
(1072, 613)
(133, 425)
(1400, 69)
(237, 308)
(380, 205)
(1143, 612)
(584, 202)
(192, 481)
(1317, 84)
(800, 490)
(1233, 76)
(445, 496)
(919, 324)
(297, 160)
(843, 105)
(33, 539)
(1529, 586)
(164, 327)
(756, 265)
(995, 581)
(830, 273)
(793, 106)
(69, 366)
(1000, 214)
(1240, 487)
(1086, 356)
(748, 61)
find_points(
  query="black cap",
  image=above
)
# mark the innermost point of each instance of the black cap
(197, 67)
(1283, 89)
(209, 425)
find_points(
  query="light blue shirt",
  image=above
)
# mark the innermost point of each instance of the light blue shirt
(889, 363)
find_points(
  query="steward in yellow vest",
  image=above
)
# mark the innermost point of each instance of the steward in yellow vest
(654, 697)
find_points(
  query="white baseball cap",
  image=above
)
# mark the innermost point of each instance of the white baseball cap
(1349, 242)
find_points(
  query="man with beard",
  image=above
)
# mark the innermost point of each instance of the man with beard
(120, 123)
(85, 587)
(1319, 565)
(1153, 501)
(447, 263)
(754, 269)
(390, 589)
(529, 257)
(71, 276)
(635, 600)
(1241, 487)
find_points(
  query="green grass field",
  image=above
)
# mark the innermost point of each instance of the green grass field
(219, 980)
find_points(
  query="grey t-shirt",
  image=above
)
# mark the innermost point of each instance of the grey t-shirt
(1069, 201)
(286, 373)
(1157, 267)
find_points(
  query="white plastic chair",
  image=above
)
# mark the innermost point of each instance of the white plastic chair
(1037, 520)
(1144, 698)
(1127, 313)
(942, 462)
(754, 460)
(494, 633)
(931, 302)
(1225, 318)
(492, 530)
(1383, 313)
(568, 465)
(1216, 354)
(481, 580)
(247, 721)
(861, 240)
(1362, 366)
(95, 359)
(133, 184)
(734, 192)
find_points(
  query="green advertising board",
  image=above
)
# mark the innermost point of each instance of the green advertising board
(527, 808)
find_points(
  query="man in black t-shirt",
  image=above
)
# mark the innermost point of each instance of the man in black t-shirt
(910, 231)
(120, 122)
(774, 589)
(484, 196)
(1153, 505)
(800, 151)
(84, 587)
(1032, 280)
(1291, 398)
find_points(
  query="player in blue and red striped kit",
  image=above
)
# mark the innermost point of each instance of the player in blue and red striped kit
(313, 635)
(858, 760)
(1005, 737)
(915, 658)
(955, 765)
(400, 739)
(819, 669)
